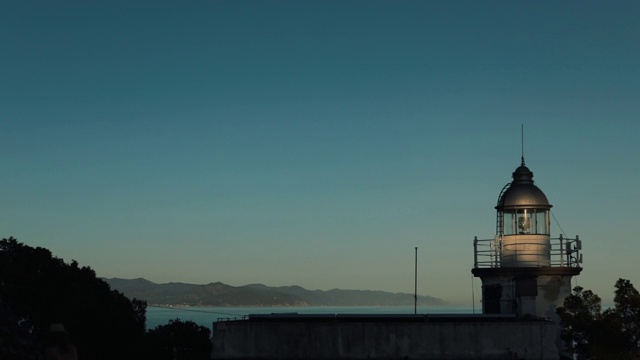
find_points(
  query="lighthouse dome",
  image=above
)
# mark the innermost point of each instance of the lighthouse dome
(522, 192)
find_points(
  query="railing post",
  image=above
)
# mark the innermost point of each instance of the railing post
(475, 251)
(578, 248)
(561, 248)
(492, 246)
(498, 249)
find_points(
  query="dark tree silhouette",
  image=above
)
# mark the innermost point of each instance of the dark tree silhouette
(626, 317)
(41, 289)
(16, 340)
(592, 334)
(179, 340)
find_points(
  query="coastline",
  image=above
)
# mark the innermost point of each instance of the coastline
(207, 315)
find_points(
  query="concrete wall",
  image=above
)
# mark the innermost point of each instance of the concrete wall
(455, 339)
(551, 292)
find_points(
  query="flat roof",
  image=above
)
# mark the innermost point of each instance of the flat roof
(377, 318)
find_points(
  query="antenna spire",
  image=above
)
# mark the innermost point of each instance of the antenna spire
(522, 142)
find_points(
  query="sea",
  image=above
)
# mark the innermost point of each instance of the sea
(206, 316)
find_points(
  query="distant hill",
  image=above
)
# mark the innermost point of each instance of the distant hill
(219, 294)
(214, 294)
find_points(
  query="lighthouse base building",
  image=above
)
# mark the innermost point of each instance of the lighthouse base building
(525, 276)
(525, 292)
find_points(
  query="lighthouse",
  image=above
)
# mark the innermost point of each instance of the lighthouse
(524, 271)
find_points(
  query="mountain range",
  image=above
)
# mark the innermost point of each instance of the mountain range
(219, 294)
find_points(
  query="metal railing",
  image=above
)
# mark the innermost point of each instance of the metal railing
(563, 251)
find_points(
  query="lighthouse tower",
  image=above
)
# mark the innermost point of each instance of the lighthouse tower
(523, 270)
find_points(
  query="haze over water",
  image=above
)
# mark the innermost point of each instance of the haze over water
(205, 316)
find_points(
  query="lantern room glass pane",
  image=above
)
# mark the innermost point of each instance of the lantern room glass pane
(526, 222)
(509, 223)
(542, 222)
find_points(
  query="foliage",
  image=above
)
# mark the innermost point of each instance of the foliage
(179, 340)
(16, 339)
(38, 289)
(42, 289)
(626, 315)
(593, 334)
(579, 316)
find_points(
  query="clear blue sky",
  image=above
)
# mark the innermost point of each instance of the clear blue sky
(315, 142)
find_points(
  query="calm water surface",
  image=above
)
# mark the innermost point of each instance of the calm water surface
(205, 316)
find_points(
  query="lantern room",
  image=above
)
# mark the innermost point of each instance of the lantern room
(523, 222)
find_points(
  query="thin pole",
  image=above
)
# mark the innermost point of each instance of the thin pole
(522, 139)
(473, 296)
(522, 142)
(415, 294)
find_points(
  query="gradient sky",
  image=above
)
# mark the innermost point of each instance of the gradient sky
(316, 142)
